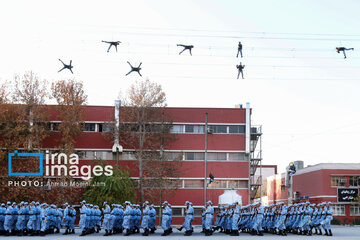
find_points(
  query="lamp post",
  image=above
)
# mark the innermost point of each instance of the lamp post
(206, 133)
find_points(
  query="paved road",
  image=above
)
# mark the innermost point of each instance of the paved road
(340, 233)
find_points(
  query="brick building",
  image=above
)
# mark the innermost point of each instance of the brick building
(233, 151)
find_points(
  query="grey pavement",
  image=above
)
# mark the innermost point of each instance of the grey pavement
(339, 232)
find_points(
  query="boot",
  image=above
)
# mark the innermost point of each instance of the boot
(203, 230)
(326, 232)
(83, 233)
(316, 232)
(320, 232)
(127, 232)
(106, 233)
(180, 228)
(66, 232)
(42, 233)
(19, 233)
(330, 233)
(72, 231)
(146, 232)
(188, 233)
(165, 233)
(235, 233)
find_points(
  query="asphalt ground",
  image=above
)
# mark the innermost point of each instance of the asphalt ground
(339, 233)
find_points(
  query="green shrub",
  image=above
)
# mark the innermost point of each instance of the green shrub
(335, 221)
(356, 221)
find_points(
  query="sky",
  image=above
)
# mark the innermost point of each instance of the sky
(303, 93)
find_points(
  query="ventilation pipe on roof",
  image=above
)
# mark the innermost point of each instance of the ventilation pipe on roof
(247, 130)
(117, 147)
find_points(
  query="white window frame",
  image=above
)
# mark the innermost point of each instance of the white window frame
(338, 208)
(357, 213)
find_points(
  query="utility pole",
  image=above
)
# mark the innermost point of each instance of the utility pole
(206, 133)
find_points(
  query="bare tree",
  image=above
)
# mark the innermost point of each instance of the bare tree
(31, 93)
(71, 97)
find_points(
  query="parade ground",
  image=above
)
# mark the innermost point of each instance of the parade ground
(339, 232)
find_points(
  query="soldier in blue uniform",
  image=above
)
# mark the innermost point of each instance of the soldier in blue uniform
(235, 219)
(15, 214)
(220, 219)
(107, 216)
(165, 219)
(327, 220)
(20, 220)
(112, 218)
(31, 225)
(145, 218)
(189, 214)
(137, 218)
(132, 218)
(152, 218)
(2, 218)
(127, 216)
(73, 219)
(97, 213)
(67, 218)
(209, 212)
(82, 215)
(8, 221)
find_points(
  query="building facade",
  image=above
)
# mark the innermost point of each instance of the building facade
(233, 152)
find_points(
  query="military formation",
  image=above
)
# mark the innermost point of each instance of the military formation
(255, 219)
(37, 219)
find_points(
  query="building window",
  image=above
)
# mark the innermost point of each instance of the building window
(339, 210)
(355, 210)
(218, 129)
(89, 127)
(173, 156)
(104, 128)
(177, 212)
(338, 181)
(237, 129)
(177, 129)
(193, 183)
(237, 184)
(194, 129)
(55, 126)
(86, 155)
(128, 156)
(216, 156)
(198, 212)
(236, 156)
(217, 184)
(195, 156)
(103, 155)
(354, 181)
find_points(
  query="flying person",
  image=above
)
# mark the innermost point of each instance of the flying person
(66, 66)
(343, 49)
(240, 68)
(115, 44)
(134, 69)
(239, 50)
(186, 47)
